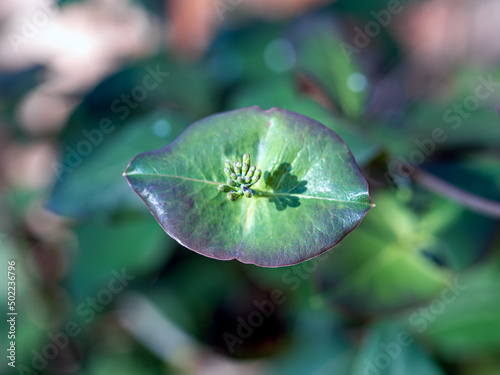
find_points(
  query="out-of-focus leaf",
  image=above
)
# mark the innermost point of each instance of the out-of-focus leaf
(318, 346)
(310, 196)
(298, 280)
(457, 119)
(483, 367)
(464, 236)
(240, 56)
(362, 7)
(118, 359)
(324, 57)
(383, 268)
(13, 86)
(480, 128)
(465, 322)
(29, 331)
(157, 82)
(133, 242)
(95, 185)
(390, 349)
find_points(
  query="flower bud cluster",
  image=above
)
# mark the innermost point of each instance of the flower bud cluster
(240, 177)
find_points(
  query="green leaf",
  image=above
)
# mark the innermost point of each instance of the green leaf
(311, 194)
(167, 83)
(323, 57)
(383, 268)
(488, 366)
(443, 122)
(465, 320)
(94, 185)
(132, 241)
(390, 349)
(318, 345)
(117, 354)
(241, 56)
(282, 92)
(466, 237)
(32, 332)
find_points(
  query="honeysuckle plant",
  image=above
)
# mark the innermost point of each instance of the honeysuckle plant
(302, 195)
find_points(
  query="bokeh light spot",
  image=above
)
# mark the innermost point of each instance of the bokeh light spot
(162, 128)
(357, 82)
(279, 55)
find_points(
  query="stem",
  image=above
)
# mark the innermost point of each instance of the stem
(472, 201)
(259, 193)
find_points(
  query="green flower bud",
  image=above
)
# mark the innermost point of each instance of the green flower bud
(244, 168)
(232, 196)
(237, 167)
(251, 171)
(256, 177)
(240, 176)
(223, 188)
(246, 158)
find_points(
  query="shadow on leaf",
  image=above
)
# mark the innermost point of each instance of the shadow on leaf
(283, 182)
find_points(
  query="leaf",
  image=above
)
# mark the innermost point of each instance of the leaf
(168, 83)
(466, 237)
(390, 349)
(443, 123)
(119, 356)
(383, 268)
(489, 366)
(241, 57)
(323, 57)
(318, 345)
(465, 320)
(32, 333)
(131, 241)
(311, 195)
(93, 186)
(282, 92)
